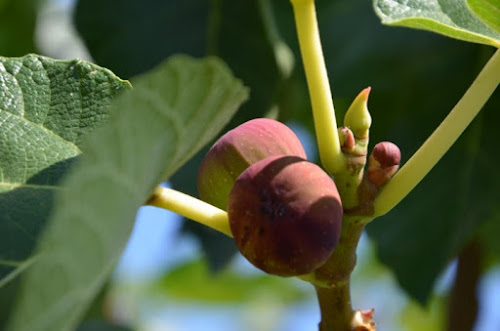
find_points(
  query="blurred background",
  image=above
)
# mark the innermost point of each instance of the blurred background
(437, 250)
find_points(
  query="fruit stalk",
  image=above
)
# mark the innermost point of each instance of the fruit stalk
(191, 208)
(325, 123)
(426, 157)
(336, 301)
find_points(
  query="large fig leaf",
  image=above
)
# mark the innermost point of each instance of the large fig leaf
(171, 113)
(47, 107)
(452, 18)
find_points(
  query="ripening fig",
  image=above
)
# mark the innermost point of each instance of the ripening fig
(235, 151)
(383, 162)
(285, 214)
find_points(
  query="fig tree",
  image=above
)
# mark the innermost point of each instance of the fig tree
(285, 214)
(235, 151)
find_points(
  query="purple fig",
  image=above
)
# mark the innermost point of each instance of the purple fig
(235, 151)
(285, 214)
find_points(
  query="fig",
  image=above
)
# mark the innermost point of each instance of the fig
(236, 150)
(383, 162)
(285, 214)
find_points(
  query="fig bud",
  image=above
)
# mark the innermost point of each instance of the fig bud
(285, 214)
(235, 151)
(383, 163)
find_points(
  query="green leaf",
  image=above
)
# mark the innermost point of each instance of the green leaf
(452, 18)
(241, 32)
(17, 27)
(46, 108)
(415, 318)
(98, 325)
(193, 281)
(488, 234)
(129, 38)
(488, 11)
(171, 113)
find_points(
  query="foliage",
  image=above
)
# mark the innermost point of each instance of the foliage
(48, 109)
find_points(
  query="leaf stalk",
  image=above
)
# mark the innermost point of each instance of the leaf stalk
(438, 143)
(325, 123)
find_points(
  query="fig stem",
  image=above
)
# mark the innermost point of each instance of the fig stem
(190, 207)
(325, 123)
(438, 143)
(335, 305)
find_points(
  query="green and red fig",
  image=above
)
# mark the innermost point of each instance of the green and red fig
(239, 148)
(285, 214)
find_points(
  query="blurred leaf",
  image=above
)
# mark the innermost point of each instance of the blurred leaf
(193, 281)
(488, 235)
(97, 325)
(46, 108)
(130, 37)
(17, 27)
(431, 225)
(452, 18)
(488, 11)
(432, 318)
(171, 113)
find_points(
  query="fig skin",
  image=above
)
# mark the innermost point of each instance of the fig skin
(285, 214)
(239, 148)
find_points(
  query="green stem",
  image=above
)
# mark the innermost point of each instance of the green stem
(441, 139)
(191, 208)
(335, 306)
(319, 86)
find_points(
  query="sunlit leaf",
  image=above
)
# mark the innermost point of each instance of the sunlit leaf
(452, 18)
(169, 115)
(47, 107)
(488, 11)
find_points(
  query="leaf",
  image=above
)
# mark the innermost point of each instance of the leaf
(488, 235)
(241, 32)
(17, 27)
(416, 78)
(98, 325)
(130, 37)
(445, 210)
(193, 281)
(415, 318)
(124, 37)
(171, 113)
(488, 11)
(46, 108)
(452, 18)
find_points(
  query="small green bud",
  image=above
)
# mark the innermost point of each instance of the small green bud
(357, 117)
